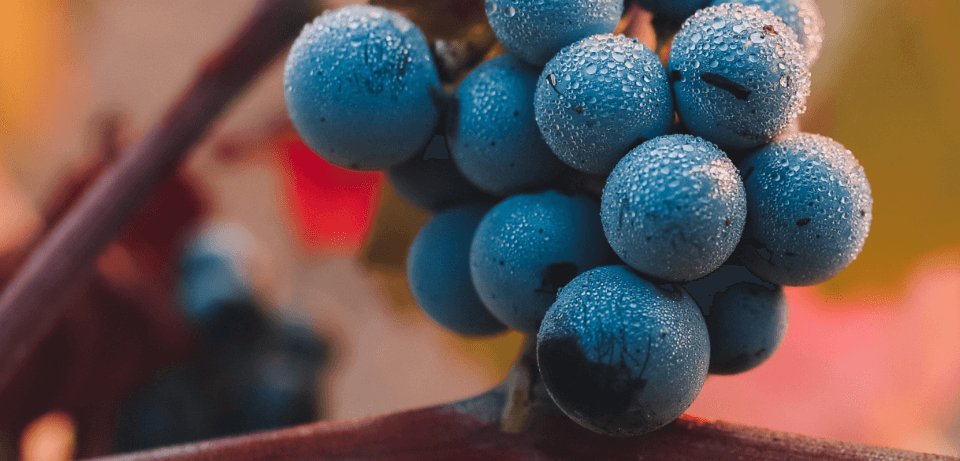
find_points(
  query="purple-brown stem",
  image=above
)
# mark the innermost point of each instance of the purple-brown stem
(33, 300)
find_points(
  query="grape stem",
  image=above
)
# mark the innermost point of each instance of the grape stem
(516, 420)
(34, 299)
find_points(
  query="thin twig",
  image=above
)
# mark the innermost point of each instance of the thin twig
(32, 301)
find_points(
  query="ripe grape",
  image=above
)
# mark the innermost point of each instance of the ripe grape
(674, 208)
(432, 182)
(214, 289)
(174, 408)
(360, 87)
(494, 139)
(809, 210)
(746, 317)
(620, 354)
(438, 271)
(598, 98)
(802, 16)
(738, 74)
(530, 245)
(673, 9)
(535, 30)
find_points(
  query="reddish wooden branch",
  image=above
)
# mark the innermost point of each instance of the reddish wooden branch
(517, 420)
(32, 301)
(443, 433)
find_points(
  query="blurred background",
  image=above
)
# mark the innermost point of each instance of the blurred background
(872, 356)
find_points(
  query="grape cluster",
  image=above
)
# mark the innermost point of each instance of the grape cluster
(248, 372)
(713, 199)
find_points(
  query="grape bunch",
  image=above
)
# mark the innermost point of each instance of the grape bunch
(248, 371)
(712, 197)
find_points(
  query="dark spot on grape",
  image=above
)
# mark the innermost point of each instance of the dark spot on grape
(569, 22)
(770, 30)
(501, 262)
(516, 113)
(512, 164)
(540, 230)
(728, 223)
(591, 123)
(737, 90)
(577, 110)
(747, 174)
(817, 236)
(322, 119)
(789, 253)
(555, 276)
(803, 222)
(760, 353)
(675, 76)
(595, 389)
(354, 166)
(493, 143)
(809, 203)
(863, 213)
(662, 335)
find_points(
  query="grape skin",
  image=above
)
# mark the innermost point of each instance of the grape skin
(493, 136)
(809, 210)
(674, 208)
(803, 16)
(438, 272)
(598, 98)
(746, 317)
(432, 182)
(535, 30)
(673, 9)
(620, 354)
(361, 87)
(528, 247)
(738, 74)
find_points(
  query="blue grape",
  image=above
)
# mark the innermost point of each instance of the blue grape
(432, 181)
(494, 138)
(802, 16)
(438, 270)
(360, 86)
(809, 210)
(738, 74)
(673, 9)
(598, 98)
(276, 390)
(214, 289)
(528, 247)
(299, 342)
(746, 317)
(535, 30)
(173, 409)
(620, 354)
(674, 208)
